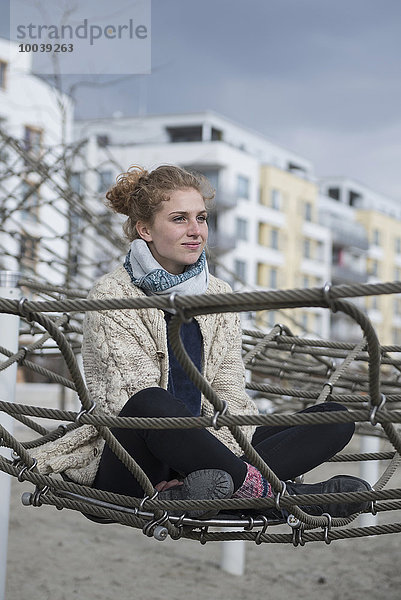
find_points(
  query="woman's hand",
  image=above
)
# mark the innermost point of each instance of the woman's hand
(165, 485)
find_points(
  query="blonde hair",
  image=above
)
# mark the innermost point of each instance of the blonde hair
(139, 193)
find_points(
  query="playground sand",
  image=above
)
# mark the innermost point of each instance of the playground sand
(60, 555)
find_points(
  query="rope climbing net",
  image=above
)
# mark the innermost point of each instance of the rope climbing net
(287, 371)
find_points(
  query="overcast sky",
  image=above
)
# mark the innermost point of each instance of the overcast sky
(321, 77)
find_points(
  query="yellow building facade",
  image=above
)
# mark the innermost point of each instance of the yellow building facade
(295, 251)
(383, 264)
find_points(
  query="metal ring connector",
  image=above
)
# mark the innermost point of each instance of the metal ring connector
(280, 493)
(25, 350)
(372, 416)
(26, 314)
(263, 530)
(25, 468)
(279, 333)
(85, 412)
(327, 296)
(330, 385)
(218, 414)
(204, 531)
(327, 528)
(178, 309)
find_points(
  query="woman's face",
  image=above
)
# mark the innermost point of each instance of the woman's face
(178, 234)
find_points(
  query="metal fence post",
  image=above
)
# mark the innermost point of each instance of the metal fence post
(9, 327)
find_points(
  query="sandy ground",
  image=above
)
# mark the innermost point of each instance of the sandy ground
(60, 555)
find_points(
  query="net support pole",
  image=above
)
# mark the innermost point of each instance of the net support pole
(369, 470)
(233, 557)
(9, 326)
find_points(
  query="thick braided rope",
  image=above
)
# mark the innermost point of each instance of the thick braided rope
(393, 435)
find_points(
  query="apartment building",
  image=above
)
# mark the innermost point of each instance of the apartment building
(265, 214)
(372, 252)
(34, 224)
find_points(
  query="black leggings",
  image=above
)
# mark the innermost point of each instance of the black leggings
(165, 454)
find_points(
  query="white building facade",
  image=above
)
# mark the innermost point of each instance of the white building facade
(34, 225)
(232, 158)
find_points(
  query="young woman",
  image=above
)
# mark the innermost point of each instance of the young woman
(131, 370)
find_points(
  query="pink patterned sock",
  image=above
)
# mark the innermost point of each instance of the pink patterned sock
(254, 486)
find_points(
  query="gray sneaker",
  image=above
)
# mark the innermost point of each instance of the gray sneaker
(206, 484)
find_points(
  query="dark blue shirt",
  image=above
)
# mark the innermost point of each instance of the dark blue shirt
(179, 384)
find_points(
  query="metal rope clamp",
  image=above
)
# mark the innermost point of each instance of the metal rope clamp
(280, 493)
(24, 469)
(327, 528)
(219, 413)
(145, 499)
(327, 296)
(258, 538)
(26, 314)
(372, 416)
(280, 332)
(85, 412)
(155, 528)
(179, 310)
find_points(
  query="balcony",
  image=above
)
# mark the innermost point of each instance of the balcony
(345, 232)
(220, 243)
(224, 200)
(341, 274)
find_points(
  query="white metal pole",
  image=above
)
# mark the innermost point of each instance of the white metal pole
(9, 326)
(233, 557)
(369, 470)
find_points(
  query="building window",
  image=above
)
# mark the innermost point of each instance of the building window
(334, 192)
(353, 198)
(105, 181)
(242, 229)
(273, 278)
(217, 135)
(397, 245)
(397, 274)
(185, 134)
(261, 276)
(306, 248)
(374, 268)
(242, 186)
(320, 251)
(304, 321)
(275, 199)
(240, 269)
(262, 234)
(274, 239)
(30, 201)
(33, 140)
(3, 72)
(308, 211)
(376, 237)
(305, 281)
(397, 306)
(28, 253)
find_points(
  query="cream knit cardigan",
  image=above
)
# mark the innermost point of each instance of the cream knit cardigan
(125, 351)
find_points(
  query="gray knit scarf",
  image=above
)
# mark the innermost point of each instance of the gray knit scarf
(149, 275)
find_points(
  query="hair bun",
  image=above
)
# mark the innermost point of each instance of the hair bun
(127, 184)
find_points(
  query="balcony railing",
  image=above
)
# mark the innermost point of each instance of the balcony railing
(219, 243)
(341, 274)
